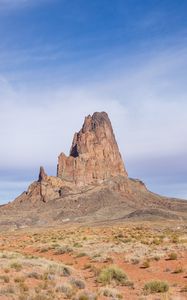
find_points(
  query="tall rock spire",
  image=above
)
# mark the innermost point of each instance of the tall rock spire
(94, 154)
(42, 175)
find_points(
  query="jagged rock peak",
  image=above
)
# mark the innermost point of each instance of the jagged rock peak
(42, 175)
(94, 154)
(92, 122)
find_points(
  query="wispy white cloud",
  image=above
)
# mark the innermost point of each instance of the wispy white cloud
(147, 106)
(146, 102)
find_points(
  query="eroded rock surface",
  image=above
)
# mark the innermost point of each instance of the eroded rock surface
(91, 185)
(94, 154)
(94, 159)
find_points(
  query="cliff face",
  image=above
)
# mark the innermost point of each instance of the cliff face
(91, 184)
(94, 154)
(94, 159)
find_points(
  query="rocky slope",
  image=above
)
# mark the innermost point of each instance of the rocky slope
(92, 184)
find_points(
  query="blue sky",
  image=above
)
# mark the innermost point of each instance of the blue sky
(63, 59)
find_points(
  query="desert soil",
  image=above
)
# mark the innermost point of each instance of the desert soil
(66, 262)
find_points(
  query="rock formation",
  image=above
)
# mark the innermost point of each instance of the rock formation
(42, 175)
(94, 154)
(94, 159)
(91, 185)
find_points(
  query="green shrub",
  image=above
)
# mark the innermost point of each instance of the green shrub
(78, 283)
(5, 278)
(156, 286)
(156, 241)
(157, 258)
(34, 275)
(81, 254)
(87, 266)
(145, 264)
(66, 272)
(111, 293)
(23, 287)
(179, 269)
(16, 266)
(6, 270)
(44, 249)
(172, 256)
(112, 273)
(77, 245)
(61, 270)
(19, 279)
(63, 249)
(87, 296)
(135, 261)
(175, 239)
(66, 289)
(130, 284)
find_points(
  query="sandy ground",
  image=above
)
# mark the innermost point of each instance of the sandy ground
(66, 262)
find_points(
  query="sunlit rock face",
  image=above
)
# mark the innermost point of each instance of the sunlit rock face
(94, 154)
(94, 159)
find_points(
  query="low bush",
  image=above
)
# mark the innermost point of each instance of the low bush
(172, 256)
(78, 283)
(66, 289)
(175, 239)
(112, 273)
(17, 266)
(81, 254)
(86, 296)
(157, 258)
(135, 261)
(179, 269)
(19, 279)
(5, 278)
(34, 275)
(156, 286)
(63, 249)
(111, 293)
(156, 241)
(23, 287)
(145, 264)
(61, 270)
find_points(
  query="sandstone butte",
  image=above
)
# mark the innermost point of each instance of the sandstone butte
(91, 184)
(94, 154)
(94, 159)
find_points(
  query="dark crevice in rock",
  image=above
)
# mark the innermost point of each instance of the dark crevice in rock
(74, 151)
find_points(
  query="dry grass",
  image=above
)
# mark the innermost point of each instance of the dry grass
(92, 262)
(156, 286)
